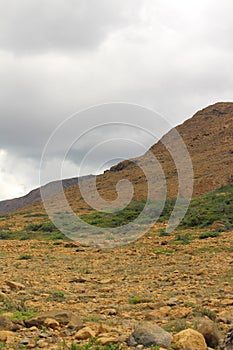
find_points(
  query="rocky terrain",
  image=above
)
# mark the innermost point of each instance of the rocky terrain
(12, 205)
(102, 296)
(164, 291)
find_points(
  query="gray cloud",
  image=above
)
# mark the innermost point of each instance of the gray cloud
(58, 57)
(32, 26)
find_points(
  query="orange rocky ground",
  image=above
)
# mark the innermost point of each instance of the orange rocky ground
(155, 279)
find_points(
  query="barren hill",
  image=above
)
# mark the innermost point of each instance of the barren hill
(208, 137)
(33, 196)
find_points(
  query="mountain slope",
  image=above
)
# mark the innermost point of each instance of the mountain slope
(208, 137)
(33, 196)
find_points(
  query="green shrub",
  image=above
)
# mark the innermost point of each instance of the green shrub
(163, 233)
(200, 311)
(183, 239)
(210, 208)
(210, 234)
(5, 235)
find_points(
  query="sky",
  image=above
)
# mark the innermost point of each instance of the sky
(60, 57)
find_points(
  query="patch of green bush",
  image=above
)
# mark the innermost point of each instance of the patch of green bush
(210, 234)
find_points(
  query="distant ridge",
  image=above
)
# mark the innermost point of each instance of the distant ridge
(33, 196)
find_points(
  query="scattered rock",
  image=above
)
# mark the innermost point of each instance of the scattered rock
(210, 332)
(71, 245)
(172, 301)
(227, 302)
(158, 314)
(42, 344)
(51, 323)
(63, 317)
(190, 339)
(104, 328)
(85, 333)
(24, 341)
(80, 249)
(3, 296)
(44, 335)
(5, 324)
(225, 317)
(228, 340)
(108, 340)
(106, 281)
(6, 336)
(109, 312)
(149, 334)
(78, 280)
(15, 285)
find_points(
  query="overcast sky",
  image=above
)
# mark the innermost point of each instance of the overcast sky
(60, 56)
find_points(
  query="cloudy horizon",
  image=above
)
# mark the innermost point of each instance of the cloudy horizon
(57, 58)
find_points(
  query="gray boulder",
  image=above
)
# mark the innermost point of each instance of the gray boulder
(148, 334)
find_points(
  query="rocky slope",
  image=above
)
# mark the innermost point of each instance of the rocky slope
(105, 294)
(11, 205)
(62, 296)
(208, 137)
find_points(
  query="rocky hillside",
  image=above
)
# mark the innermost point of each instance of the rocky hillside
(11, 205)
(208, 137)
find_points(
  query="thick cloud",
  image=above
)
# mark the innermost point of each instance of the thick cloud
(33, 26)
(57, 57)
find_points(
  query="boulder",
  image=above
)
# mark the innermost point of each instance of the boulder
(190, 339)
(85, 333)
(63, 317)
(210, 332)
(227, 343)
(148, 334)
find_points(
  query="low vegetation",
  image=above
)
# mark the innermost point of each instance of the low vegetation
(215, 208)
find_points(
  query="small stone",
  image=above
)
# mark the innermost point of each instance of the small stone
(158, 314)
(85, 333)
(42, 344)
(44, 335)
(106, 281)
(5, 323)
(225, 317)
(51, 323)
(172, 301)
(24, 341)
(3, 296)
(190, 339)
(6, 335)
(110, 312)
(108, 340)
(227, 302)
(15, 285)
(104, 328)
